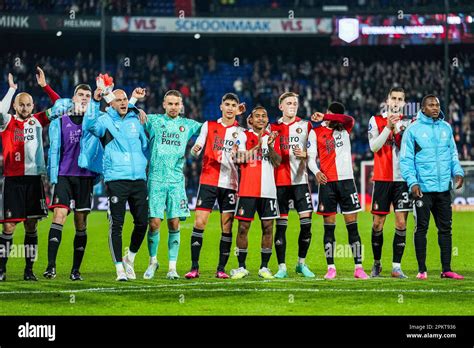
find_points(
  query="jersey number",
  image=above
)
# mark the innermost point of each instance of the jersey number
(355, 198)
(308, 198)
(272, 205)
(231, 198)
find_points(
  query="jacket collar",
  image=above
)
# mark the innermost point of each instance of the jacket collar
(132, 112)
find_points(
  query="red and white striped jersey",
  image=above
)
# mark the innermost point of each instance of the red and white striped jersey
(292, 170)
(257, 176)
(218, 167)
(386, 155)
(333, 148)
(23, 145)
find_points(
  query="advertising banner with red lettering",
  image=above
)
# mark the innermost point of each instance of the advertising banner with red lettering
(311, 26)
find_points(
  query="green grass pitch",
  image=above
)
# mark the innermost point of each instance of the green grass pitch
(100, 294)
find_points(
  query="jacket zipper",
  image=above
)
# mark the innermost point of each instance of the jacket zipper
(436, 153)
(131, 154)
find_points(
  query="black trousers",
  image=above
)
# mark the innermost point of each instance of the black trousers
(438, 203)
(119, 193)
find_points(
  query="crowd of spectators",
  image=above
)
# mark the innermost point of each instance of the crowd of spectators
(209, 7)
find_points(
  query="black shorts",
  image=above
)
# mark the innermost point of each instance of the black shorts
(22, 198)
(207, 195)
(72, 193)
(342, 192)
(299, 194)
(388, 193)
(267, 208)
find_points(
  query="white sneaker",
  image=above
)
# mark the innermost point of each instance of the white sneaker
(121, 276)
(239, 273)
(128, 267)
(265, 273)
(150, 271)
(172, 274)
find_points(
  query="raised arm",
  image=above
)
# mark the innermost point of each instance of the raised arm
(312, 156)
(41, 79)
(347, 121)
(7, 102)
(275, 158)
(377, 139)
(93, 122)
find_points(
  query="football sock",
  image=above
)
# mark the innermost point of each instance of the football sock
(304, 239)
(399, 244)
(224, 250)
(6, 241)
(80, 242)
(266, 253)
(329, 242)
(54, 239)
(354, 241)
(153, 239)
(280, 239)
(174, 238)
(377, 243)
(196, 245)
(241, 257)
(31, 248)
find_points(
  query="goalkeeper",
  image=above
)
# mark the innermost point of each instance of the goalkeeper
(169, 134)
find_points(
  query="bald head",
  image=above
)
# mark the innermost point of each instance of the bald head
(120, 103)
(23, 105)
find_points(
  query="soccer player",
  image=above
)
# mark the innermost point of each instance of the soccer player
(257, 190)
(72, 150)
(331, 143)
(292, 182)
(385, 133)
(428, 162)
(219, 180)
(125, 162)
(23, 191)
(169, 134)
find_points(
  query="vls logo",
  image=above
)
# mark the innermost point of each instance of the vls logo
(37, 331)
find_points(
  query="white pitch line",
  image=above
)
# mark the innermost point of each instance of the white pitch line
(187, 287)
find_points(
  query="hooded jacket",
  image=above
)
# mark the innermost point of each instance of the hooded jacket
(124, 141)
(428, 155)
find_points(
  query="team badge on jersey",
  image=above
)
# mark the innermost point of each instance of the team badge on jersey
(299, 130)
(56, 200)
(199, 202)
(419, 203)
(8, 214)
(376, 206)
(235, 134)
(182, 129)
(114, 199)
(241, 211)
(321, 207)
(31, 122)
